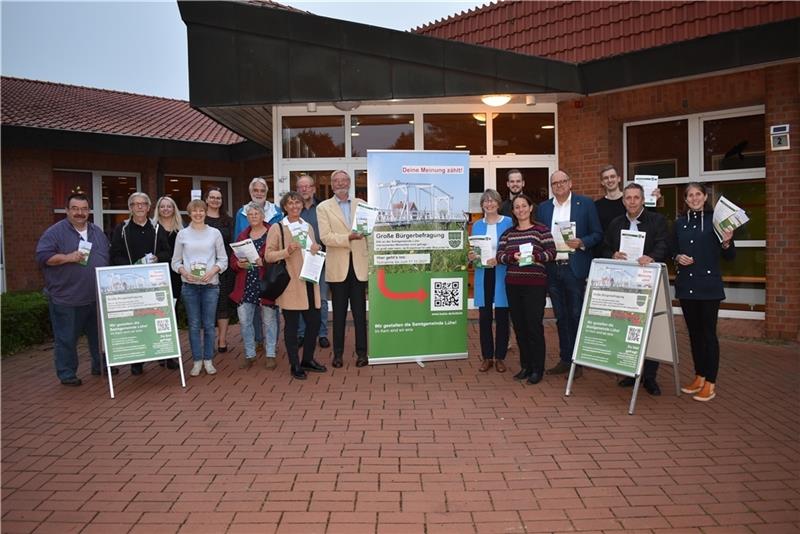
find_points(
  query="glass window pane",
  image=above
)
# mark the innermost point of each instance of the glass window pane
(537, 181)
(524, 133)
(361, 184)
(456, 131)
(111, 220)
(749, 262)
(180, 189)
(116, 190)
(322, 180)
(313, 137)
(67, 182)
(477, 185)
(751, 196)
(390, 132)
(735, 143)
(660, 148)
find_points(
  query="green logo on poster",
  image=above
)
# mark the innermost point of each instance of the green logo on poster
(161, 296)
(641, 300)
(455, 239)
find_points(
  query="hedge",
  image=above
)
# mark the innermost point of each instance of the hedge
(25, 321)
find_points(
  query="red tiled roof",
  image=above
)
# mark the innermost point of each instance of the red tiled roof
(56, 106)
(582, 31)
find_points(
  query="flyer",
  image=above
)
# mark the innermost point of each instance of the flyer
(245, 250)
(364, 220)
(649, 183)
(85, 248)
(482, 247)
(632, 244)
(312, 266)
(299, 231)
(727, 216)
(565, 232)
(525, 254)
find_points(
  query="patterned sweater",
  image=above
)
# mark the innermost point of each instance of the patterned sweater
(544, 250)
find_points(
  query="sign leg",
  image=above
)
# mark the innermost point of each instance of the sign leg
(569, 380)
(632, 406)
(110, 380)
(676, 378)
(180, 370)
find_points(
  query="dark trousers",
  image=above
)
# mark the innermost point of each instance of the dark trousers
(566, 295)
(70, 323)
(354, 291)
(292, 319)
(526, 304)
(492, 346)
(701, 321)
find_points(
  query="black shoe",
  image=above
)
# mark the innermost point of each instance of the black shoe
(221, 348)
(337, 361)
(627, 382)
(560, 368)
(137, 368)
(298, 373)
(534, 378)
(651, 386)
(172, 363)
(72, 381)
(300, 341)
(313, 366)
(361, 361)
(324, 343)
(114, 371)
(578, 372)
(162, 363)
(522, 375)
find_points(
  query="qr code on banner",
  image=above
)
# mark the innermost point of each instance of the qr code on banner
(446, 294)
(163, 326)
(634, 335)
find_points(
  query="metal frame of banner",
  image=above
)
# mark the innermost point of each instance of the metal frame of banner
(662, 300)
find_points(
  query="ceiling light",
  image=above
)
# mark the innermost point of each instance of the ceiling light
(548, 127)
(461, 146)
(347, 105)
(354, 134)
(495, 100)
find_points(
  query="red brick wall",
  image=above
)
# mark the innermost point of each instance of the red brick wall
(27, 187)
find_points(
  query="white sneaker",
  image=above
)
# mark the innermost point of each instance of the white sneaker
(196, 369)
(209, 367)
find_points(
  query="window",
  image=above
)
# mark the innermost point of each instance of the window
(108, 194)
(733, 143)
(180, 189)
(660, 148)
(390, 132)
(524, 133)
(537, 182)
(456, 131)
(313, 137)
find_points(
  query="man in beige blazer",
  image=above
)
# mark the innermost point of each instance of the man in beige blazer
(345, 266)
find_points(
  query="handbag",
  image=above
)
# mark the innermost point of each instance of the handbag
(276, 277)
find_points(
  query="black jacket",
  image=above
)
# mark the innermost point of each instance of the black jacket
(694, 236)
(131, 242)
(656, 241)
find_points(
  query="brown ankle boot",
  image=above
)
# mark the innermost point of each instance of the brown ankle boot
(695, 386)
(486, 365)
(707, 393)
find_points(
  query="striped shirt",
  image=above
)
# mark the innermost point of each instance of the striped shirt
(544, 250)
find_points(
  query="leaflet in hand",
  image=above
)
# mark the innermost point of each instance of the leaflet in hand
(727, 216)
(312, 266)
(85, 248)
(525, 254)
(364, 220)
(482, 247)
(565, 232)
(649, 183)
(632, 244)
(198, 268)
(245, 250)
(300, 234)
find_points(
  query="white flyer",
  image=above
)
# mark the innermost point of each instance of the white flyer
(299, 231)
(245, 250)
(312, 266)
(632, 244)
(364, 220)
(525, 254)
(649, 183)
(727, 216)
(565, 230)
(482, 246)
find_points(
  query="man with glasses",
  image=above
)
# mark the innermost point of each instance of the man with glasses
(516, 186)
(566, 276)
(68, 253)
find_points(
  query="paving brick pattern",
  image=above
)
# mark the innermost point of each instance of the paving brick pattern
(400, 449)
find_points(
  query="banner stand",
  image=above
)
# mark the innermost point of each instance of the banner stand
(626, 318)
(137, 316)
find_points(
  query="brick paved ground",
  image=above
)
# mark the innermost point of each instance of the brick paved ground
(400, 449)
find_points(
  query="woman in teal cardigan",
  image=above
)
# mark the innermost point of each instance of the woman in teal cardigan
(490, 285)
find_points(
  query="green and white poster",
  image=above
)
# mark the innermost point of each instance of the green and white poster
(418, 255)
(137, 314)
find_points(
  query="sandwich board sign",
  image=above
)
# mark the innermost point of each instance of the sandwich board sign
(626, 318)
(137, 316)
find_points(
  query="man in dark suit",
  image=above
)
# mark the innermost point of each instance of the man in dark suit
(656, 249)
(566, 276)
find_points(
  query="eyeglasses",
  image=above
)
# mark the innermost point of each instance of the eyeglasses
(559, 182)
(140, 205)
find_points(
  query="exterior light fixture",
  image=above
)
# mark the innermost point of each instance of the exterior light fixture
(548, 127)
(346, 105)
(495, 100)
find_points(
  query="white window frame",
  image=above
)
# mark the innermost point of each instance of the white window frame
(97, 210)
(228, 199)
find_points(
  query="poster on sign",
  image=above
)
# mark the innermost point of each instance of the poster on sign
(418, 255)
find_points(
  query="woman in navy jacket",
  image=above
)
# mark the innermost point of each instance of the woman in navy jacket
(490, 286)
(698, 286)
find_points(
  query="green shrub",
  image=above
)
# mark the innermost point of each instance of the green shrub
(25, 320)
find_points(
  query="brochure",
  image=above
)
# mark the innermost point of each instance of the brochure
(525, 254)
(245, 250)
(482, 247)
(632, 244)
(198, 268)
(565, 232)
(147, 259)
(312, 266)
(84, 247)
(649, 183)
(727, 216)
(299, 231)
(364, 220)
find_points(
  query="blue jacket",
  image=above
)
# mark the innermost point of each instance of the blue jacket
(500, 298)
(694, 236)
(241, 221)
(587, 227)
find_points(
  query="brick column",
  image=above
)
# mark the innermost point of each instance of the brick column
(782, 104)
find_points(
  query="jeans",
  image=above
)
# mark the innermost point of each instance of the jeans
(258, 326)
(526, 305)
(247, 315)
(566, 295)
(323, 310)
(69, 323)
(200, 301)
